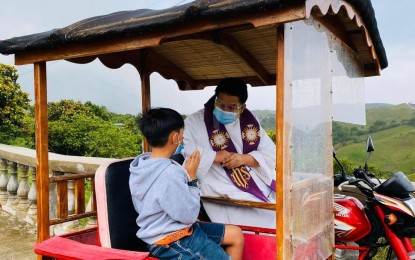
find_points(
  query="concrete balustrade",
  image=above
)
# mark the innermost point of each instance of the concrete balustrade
(12, 185)
(18, 194)
(4, 179)
(23, 189)
(32, 196)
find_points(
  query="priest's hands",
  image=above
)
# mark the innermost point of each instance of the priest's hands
(235, 160)
(221, 156)
(192, 163)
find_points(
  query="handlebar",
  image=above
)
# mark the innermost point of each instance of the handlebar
(368, 191)
(365, 176)
(342, 184)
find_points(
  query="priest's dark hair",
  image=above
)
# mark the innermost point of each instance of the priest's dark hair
(233, 87)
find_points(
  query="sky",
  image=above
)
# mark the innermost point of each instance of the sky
(119, 90)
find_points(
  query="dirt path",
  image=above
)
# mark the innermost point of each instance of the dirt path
(16, 239)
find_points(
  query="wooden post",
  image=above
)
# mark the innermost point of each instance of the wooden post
(145, 99)
(42, 160)
(280, 142)
(80, 196)
(62, 199)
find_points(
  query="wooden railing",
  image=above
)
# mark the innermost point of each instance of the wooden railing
(68, 195)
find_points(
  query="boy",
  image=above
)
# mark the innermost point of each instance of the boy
(167, 198)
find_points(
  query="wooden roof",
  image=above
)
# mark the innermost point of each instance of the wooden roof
(199, 43)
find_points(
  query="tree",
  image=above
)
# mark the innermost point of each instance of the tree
(272, 135)
(13, 104)
(13, 101)
(66, 109)
(92, 136)
(90, 130)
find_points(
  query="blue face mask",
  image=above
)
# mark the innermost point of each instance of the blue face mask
(179, 149)
(224, 117)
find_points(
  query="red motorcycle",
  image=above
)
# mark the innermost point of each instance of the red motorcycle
(386, 219)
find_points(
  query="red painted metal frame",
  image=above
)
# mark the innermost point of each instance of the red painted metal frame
(397, 243)
(408, 245)
(258, 230)
(363, 250)
(400, 245)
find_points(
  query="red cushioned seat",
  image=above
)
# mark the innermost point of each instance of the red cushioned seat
(63, 248)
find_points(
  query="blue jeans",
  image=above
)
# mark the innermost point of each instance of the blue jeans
(204, 243)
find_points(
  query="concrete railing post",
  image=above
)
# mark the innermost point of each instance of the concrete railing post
(23, 189)
(71, 197)
(53, 196)
(4, 179)
(32, 196)
(12, 185)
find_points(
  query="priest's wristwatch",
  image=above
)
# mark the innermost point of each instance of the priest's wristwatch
(193, 183)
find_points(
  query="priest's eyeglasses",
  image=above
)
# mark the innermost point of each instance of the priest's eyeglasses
(234, 108)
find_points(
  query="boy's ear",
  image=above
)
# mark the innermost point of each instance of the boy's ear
(172, 136)
(170, 139)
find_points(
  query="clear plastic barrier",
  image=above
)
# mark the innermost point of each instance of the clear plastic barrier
(308, 113)
(348, 85)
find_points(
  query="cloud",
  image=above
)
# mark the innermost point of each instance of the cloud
(396, 83)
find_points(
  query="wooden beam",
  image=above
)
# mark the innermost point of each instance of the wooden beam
(280, 122)
(93, 196)
(232, 44)
(79, 196)
(119, 44)
(145, 99)
(252, 80)
(118, 59)
(239, 203)
(336, 27)
(42, 156)
(73, 217)
(62, 199)
(155, 62)
(228, 41)
(82, 60)
(68, 177)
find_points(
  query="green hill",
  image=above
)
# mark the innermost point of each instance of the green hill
(393, 131)
(376, 105)
(391, 114)
(266, 118)
(392, 128)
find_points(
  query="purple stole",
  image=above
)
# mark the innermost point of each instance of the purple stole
(219, 140)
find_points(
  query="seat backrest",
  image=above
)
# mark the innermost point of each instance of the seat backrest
(117, 225)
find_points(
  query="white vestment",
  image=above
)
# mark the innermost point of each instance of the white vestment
(215, 182)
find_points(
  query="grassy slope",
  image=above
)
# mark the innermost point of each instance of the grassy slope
(396, 113)
(394, 150)
(394, 147)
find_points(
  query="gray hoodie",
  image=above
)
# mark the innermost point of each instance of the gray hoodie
(161, 196)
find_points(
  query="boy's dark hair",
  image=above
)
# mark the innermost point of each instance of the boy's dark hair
(157, 124)
(233, 87)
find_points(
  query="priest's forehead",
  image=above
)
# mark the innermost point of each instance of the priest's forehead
(227, 99)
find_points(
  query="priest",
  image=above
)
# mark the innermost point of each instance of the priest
(238, 157)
